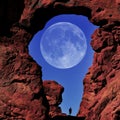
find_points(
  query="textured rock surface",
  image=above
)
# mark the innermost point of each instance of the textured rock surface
(53, 92)
(21, 88)
(102, 81)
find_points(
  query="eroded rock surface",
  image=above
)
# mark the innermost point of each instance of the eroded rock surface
(53, 92)
(21, 88)
(100, 94)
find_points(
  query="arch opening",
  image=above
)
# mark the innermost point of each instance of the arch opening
(70, 79)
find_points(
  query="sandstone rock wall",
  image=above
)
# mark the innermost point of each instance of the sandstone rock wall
(21, 88)
(100, 99)
(53, 92)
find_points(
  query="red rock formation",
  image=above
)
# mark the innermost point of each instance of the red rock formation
(53, 92)
(21, 88)
(21, 91)
(99, 84)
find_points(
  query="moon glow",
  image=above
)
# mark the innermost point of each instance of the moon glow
(63, 45)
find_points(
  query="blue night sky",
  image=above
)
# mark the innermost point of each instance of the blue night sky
(72, 78)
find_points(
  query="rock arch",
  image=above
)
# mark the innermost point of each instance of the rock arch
(20, 76)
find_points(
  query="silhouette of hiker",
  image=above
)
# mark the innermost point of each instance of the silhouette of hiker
(70, 111)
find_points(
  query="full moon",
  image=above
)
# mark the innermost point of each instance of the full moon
(63, 45)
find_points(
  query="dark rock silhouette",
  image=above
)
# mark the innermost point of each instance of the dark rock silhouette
(67, 118)
(21, 87)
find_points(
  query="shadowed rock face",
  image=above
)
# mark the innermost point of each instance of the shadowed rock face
(10, 13)
(67, 118)
(21, 88)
